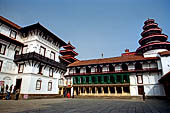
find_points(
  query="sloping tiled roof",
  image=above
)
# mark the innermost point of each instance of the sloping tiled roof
(2, 19)
(126, 58)
(165, 53)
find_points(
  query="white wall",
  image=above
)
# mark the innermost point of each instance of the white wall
(153, 53)
(5, 30)
(165, 61)
(29, 80)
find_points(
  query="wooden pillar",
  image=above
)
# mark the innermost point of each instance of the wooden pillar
(85, 90)
(62, 91)
(80, 90)
(122, 90)
(108, 90)
(102, 88)
(75, 93)
(96, 90)
(115, 90)
(90, 88)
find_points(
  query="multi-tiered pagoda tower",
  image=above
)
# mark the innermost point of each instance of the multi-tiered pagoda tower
(69, 53)
(152, 38)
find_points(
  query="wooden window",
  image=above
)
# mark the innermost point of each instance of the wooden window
(138, 66)
(52, 56)
(42, 51)
(24, 49)
(139, 79)
(20, 68)
(1, 65)
(49, 86)
(124, 67)
(38, 84)
(2, 49)
(13, 34)
(51, 70)
(40, 69)
(16, 52)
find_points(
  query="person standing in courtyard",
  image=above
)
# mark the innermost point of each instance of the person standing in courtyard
(68, 94)
(2, 90)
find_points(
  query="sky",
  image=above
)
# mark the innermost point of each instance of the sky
(92, 26)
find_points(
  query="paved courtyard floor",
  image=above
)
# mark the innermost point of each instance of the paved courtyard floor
(63, 105)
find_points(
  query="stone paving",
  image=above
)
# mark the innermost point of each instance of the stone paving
(63, 105)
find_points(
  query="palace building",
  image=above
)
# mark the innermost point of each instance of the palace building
(131, 74)
(29, 59)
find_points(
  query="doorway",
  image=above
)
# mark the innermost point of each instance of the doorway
(18, 83)
(140, 90)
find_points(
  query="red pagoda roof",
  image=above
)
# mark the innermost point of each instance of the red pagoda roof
(68, 46)
(156, 46)
(152, 29)
(165, 53)
(69, 58)
(121, 59)
(152, 38)
(156, 36)
(65, 52)
(149, 20)
(151, 24)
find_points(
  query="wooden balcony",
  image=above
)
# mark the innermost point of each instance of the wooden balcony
(117, 72)
(39, 58)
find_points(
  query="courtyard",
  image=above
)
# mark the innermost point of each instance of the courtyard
(64, 105)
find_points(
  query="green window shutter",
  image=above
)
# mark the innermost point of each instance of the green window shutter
(128, 78)
(108, 79)
(78, 80)
(102, 79)
(122, 79)
(90, 80)
(84, 80)
(74, 80)
(115, 76)
(96, 79)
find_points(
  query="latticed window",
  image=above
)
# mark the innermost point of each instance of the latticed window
(42, 51)
(52, 55)
(1, 65)
(51, 70)
(40, 71)
(139, 79)
(2, 49)
(21, 68)
(38, 84)
(49, 86)
(13, 34)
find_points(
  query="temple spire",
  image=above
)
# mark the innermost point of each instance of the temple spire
(152, 37)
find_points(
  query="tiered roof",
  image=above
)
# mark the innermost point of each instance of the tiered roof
(69, 53)
(152, 37)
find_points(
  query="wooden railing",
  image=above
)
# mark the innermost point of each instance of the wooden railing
(118, 71)
(37, 57)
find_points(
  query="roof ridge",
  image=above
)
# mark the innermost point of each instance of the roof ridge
(10, 22)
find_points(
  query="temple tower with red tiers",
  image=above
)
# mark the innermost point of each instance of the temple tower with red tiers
(153, 40)
(69, 53)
